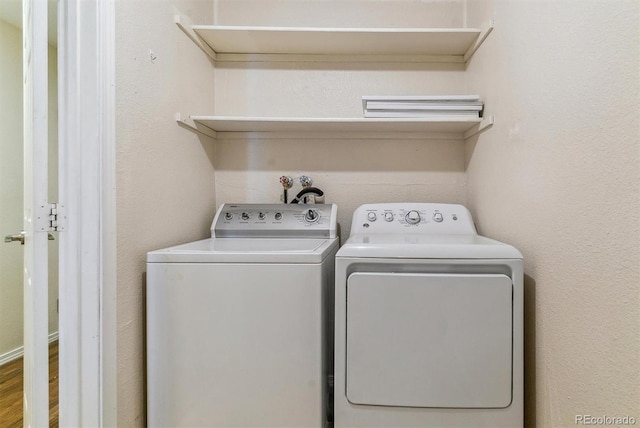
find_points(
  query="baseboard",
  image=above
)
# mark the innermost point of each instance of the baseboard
(19, 352)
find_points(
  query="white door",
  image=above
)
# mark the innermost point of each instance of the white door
(87, 253)
(429, 340)
(36, 355)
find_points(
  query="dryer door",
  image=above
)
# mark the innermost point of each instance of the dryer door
(429, 340)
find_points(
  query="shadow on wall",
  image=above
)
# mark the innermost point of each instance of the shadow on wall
(209, 147)
(529, 352)
(338, 66)
(144, 347)
(470, 147)
(352, 155)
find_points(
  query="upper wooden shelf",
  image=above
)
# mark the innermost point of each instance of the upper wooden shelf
(245, 43)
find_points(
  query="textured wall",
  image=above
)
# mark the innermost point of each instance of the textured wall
(165, 179)
(350, 171)
(340, 13)
(558, 177)
(11, 196)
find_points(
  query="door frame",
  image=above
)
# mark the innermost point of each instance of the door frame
(87, 277)
(35, 213)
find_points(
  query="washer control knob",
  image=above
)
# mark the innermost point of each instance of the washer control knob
(372, 216)
(388, 216)
(245, 216)
(228, 216)
(311, 216)
(261, 216)
(437, 217)
(278, 216)
(412, 217)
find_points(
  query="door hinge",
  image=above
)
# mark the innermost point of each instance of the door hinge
(52, 218)
(57, 217)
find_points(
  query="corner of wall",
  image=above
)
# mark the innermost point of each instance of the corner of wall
(165, 175)
(561, 156)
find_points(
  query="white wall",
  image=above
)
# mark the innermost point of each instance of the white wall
(165, 180)
(558, 176)
(350, 171)
(340, 13)
(11, 187)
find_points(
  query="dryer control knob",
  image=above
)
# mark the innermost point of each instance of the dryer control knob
(245, 216)
(278, 216)
(412, 217)
(388, 216)
(437, 217)
(311, 216)
(228, 216)
(371, 216)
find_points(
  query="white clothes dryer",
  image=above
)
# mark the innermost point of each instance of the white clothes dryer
(428, 322)
(239, 330)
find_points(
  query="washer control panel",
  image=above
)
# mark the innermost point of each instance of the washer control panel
(410, 218)
(275, 221)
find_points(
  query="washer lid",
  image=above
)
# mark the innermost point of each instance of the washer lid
(418, 246)
(246, 250)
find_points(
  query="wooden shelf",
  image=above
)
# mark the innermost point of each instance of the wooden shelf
(246, 43)
(369, 127)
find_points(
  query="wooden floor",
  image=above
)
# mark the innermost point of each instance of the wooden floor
(11, 391)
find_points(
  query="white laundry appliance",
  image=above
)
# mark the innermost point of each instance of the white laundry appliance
(239, 326)
(428, 322)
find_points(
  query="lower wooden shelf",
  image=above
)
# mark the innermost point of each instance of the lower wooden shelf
(456, 127)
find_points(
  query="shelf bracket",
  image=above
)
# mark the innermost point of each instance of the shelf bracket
(486, 123)
(199, 129)
(486, 30)
(186, 25)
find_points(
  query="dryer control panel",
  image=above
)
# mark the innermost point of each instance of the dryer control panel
(412, 218)
(275, 221)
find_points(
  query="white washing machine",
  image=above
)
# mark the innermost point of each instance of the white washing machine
(428, 322)
(239, 330)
